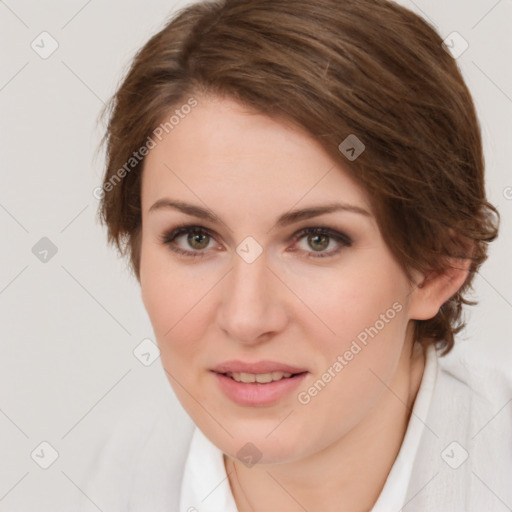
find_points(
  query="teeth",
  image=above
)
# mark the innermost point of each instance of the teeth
(262, 378)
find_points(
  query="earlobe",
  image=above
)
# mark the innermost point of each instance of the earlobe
(435, 288)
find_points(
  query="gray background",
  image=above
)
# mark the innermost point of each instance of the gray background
(69, 325)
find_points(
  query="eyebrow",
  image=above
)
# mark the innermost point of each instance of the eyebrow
(285, 219)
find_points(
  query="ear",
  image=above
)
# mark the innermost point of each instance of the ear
(435, 288)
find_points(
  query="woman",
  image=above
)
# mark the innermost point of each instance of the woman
(299, 187)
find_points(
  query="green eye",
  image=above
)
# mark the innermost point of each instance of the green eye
(318, 242)
(319, 238)
(198, 240)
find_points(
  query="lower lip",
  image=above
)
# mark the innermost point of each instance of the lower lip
(256, 393)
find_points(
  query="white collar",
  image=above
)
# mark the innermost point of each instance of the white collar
(205, 485)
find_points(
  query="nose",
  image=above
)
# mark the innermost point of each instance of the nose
(252, 308)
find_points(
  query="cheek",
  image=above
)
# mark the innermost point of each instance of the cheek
(358, 333)
(172, 298)
(350, 302)
(367, 310)
(169, 290)
(172, 301)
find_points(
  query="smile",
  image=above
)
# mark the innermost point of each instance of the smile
(261, 378)
(258, 389)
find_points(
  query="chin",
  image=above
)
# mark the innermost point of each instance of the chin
(251, 441)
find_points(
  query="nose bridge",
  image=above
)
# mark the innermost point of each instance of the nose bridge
(248, 284)
(250, 305)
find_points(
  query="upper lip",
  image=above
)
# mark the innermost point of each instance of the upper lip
(257, 367)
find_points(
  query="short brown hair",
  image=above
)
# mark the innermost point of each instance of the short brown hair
(364, 67)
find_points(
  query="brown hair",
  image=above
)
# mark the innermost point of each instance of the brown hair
(364, 67)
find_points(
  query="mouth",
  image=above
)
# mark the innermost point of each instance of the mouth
(258, 384)
(260, 378)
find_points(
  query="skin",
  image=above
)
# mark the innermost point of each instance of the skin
(285, 306)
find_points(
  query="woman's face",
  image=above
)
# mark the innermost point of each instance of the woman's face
(248, 291)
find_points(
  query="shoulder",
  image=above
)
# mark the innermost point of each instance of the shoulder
(475, 394)
(140, 462)
(465, 454)
(485, 382)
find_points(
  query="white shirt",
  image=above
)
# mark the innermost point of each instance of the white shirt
(456, 455)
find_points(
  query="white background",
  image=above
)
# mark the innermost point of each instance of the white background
(69, 326)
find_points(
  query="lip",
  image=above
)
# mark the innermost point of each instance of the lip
(254, 393)
(266, 366)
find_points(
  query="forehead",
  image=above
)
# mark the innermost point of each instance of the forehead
(221, 150)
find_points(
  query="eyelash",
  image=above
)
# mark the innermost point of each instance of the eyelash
(169, 236)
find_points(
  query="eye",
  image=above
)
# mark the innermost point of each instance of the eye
(195, 239)
(319, 239)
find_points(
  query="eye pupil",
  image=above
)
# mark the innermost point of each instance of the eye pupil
(201, 239)
(323, 242)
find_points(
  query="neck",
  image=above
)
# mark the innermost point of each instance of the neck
(351, 471)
